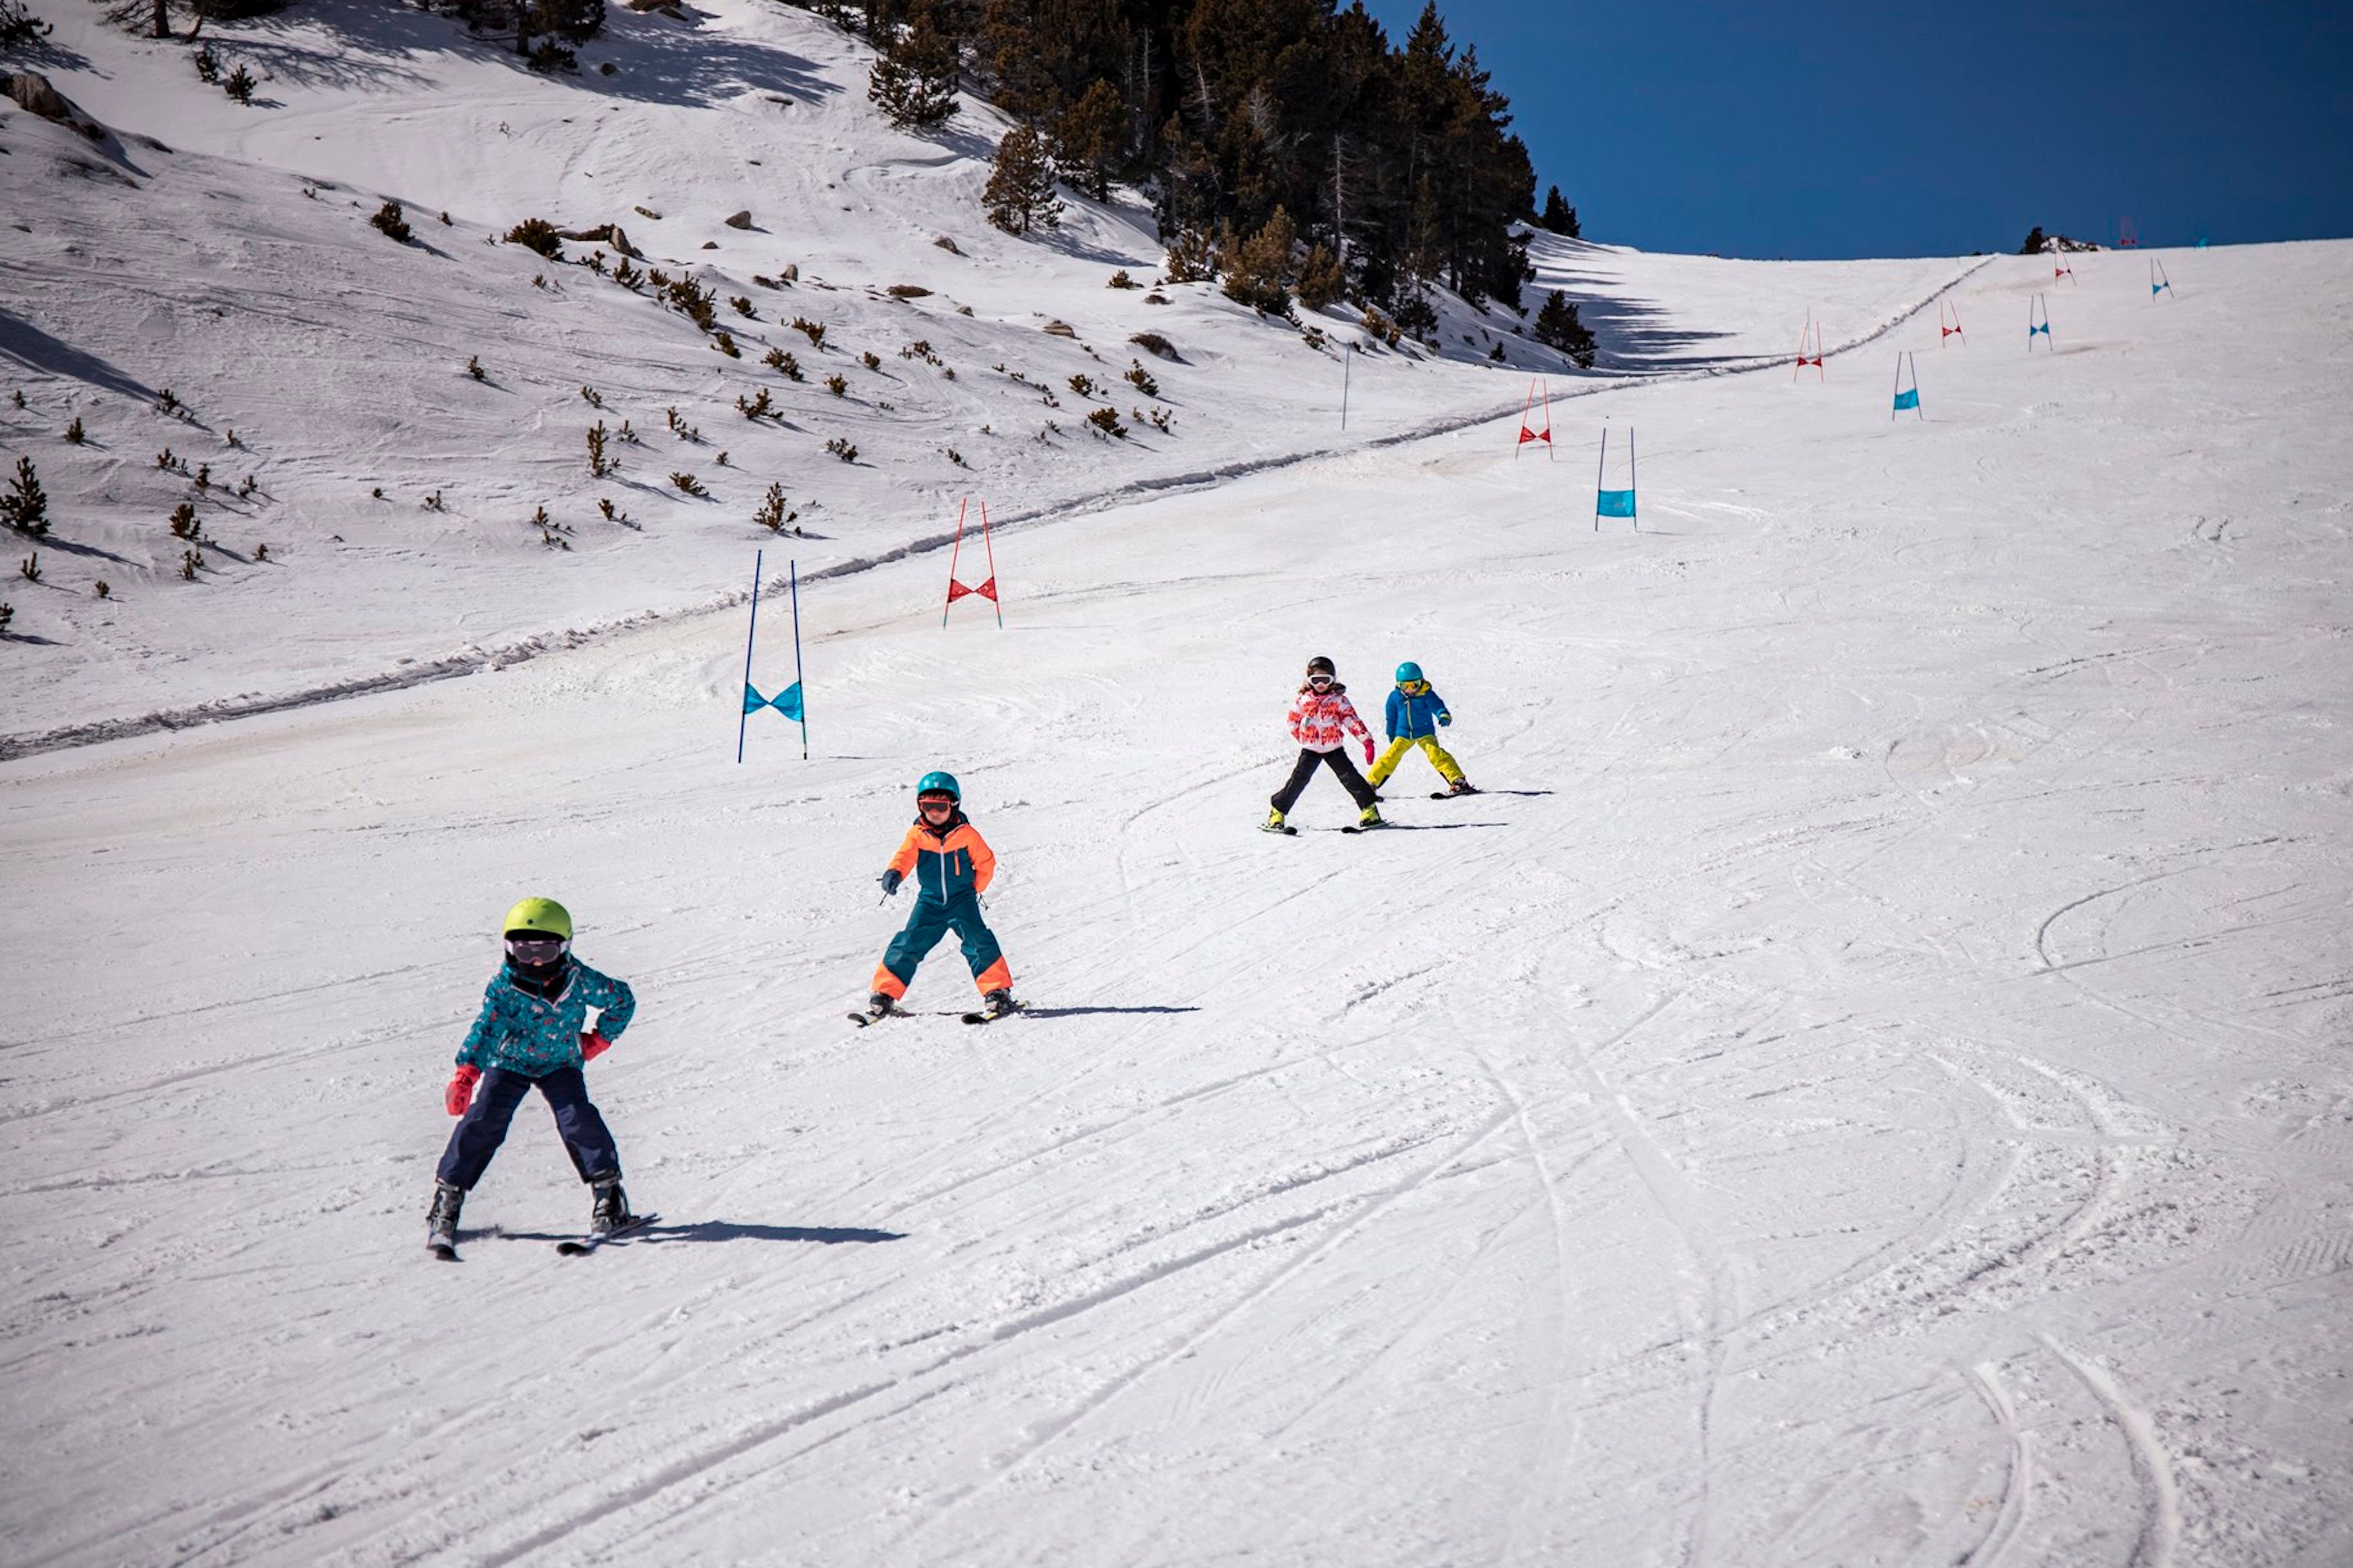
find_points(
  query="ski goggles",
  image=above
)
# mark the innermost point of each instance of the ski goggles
(937, 802)
(1413, 688)
(1321, 679)
(538, 952)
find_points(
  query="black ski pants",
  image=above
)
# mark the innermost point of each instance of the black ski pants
(484, 1126)
(1304, 769)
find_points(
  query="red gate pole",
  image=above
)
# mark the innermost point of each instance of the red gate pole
(993, 597)
(954, 550)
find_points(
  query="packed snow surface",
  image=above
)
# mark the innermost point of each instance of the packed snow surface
(1866, 1084)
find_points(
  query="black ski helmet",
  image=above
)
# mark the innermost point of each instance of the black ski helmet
(1319, 665)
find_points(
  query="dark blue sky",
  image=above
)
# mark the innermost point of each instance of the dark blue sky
(1845, 129)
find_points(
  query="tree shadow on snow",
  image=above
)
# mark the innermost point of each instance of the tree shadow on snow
(705, 1230)
(35, 350)
(1028, 1012)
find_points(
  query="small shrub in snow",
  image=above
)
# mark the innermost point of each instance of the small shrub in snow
(955, 457)
(433, 501)
(920, 349)
(539, 279)
(375, 492)
(1496, 353)
(18, 397)
(1312, 337)
(190, 561)
(390, 222)
(539, 518)
(626, 276)
(592, 398)
(1192, 257)
(813, 330)
(245, 489)
(1159, 417)
(689, 483)
(742, 307)
(168, 404)
(7, 614)
(842, 450)
(204, 475)
(164, 460)
(474, 368)
(29, 568)
(836, 385)
(240, 86)
(759, 407)
(185, 524)
(261, 553)
(597, 262)
(1155, 344)
(599, 464)
(26, 507)
(871, 359)
(1381, 327)
(722, 460)
(624, 434)
(1083, 386)
(102, 588)
(692, 301)
(537, 233)
(1107, 421)
(207, 67)
(1120, 280)
(778, 358)
(772, 515)
(1141, 379)
(725, 343)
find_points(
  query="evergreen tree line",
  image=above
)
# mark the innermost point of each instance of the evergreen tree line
(1381, 168)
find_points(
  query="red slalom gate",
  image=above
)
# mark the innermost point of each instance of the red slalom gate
(1954, 330)
(1812, 333)
(987, 589)
(1527, 435)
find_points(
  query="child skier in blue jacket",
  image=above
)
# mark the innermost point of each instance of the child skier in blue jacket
(1415, 715)
(529, 1035)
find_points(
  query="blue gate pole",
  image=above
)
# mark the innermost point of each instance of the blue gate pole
(795, 568)
(743, 719)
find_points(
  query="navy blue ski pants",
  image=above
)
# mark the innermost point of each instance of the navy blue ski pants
(484, 1126)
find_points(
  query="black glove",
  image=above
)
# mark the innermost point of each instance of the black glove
(891, 884)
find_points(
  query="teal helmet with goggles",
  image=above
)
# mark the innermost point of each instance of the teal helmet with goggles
(1408, 672)
(938, 783)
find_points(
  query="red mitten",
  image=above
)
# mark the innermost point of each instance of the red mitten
(461, 1089)
(591, 1043)
(1368, 751)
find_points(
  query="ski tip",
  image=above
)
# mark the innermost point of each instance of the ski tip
(441, 1250)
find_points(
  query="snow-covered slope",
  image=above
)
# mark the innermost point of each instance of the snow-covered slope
(1867, 1084)
(227, 258)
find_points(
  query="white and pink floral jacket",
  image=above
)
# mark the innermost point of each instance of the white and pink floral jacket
(1319, 719)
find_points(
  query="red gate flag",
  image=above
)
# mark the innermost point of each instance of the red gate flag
(1526, 434)
(987, 589)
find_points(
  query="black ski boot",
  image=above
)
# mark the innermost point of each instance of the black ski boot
(880, 1006)
(994, 1005)
(441, 1220)
(611, 1210)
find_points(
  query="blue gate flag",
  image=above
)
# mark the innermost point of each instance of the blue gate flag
(786, 702)
(1909, 398)
(1613, 504)
(2045, 329)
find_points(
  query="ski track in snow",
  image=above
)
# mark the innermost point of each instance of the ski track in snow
(1864, 1086)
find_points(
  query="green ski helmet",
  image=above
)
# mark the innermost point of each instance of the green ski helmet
(543, 917)
(939, 782)
(1406, 671)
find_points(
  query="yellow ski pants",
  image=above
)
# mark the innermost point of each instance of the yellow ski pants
(1387, 763)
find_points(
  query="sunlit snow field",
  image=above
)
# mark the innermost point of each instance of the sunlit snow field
(1867, 1084)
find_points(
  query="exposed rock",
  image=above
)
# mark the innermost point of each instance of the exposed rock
(34, 95)
(1061, 329)
(709, 245)
(906, 290)
(944, 243)
(647, 212)
(740, 220)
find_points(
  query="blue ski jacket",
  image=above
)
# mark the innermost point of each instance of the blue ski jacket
(535, 1036)
(1412, 718)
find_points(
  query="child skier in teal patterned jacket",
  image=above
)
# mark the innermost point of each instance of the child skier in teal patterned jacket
(529, 1035)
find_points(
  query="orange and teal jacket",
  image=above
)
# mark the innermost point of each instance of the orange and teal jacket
(946, 865)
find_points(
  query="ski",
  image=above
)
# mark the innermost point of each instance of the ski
(442, 1250)
(1451, 794)
(863, 1019)
(985, 1016)
(1287, 832)
(580, 1246)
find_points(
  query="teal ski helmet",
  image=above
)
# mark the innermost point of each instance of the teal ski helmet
(1406, 671)
(939, 782)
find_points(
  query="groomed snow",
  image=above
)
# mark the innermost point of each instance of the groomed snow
(1867, 1084)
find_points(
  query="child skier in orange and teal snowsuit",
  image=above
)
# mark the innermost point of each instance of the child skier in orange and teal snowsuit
(951, 866)
(1414, 717)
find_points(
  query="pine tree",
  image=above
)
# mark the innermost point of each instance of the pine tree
(1559, 215)
(913, 82)
(2034, 242)
(1020, 193)
(1087, 140)
(1558, 327)
(26, 507)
